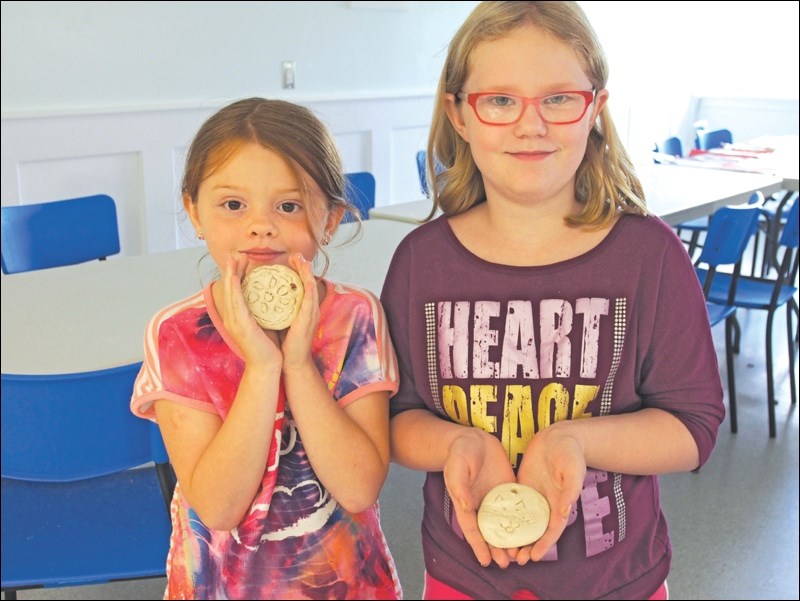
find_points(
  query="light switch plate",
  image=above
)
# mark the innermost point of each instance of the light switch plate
(288, 74)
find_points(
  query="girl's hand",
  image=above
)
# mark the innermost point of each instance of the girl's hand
(475, 464)
(297, 338)
(555, 465)
(255, 344)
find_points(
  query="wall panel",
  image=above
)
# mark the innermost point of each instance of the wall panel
(137, 157)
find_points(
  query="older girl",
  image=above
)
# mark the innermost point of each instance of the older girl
(548, 330)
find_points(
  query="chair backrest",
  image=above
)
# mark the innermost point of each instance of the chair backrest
(82, 502)
(422, 170)
(62, 232)
(360, 193)
(671, 146)
(68, 427)
(714, 138)
(700, 125)
(729, 231)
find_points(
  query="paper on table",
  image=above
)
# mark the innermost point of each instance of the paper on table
(717, 160)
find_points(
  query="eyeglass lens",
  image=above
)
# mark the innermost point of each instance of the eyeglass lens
(557, 108)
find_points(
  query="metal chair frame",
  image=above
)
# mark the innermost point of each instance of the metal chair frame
(769, 294)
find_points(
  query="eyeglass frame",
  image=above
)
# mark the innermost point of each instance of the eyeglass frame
(472, 99)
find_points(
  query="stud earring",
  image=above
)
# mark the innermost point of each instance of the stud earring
(200, 236)
(326, 239)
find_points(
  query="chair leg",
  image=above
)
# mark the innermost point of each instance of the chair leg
(771, 400)
(769, 259)
(796, 312)
(693, 243)
(731, 379)
(792, 350)
(737, 331)
(756, 237)
(166, 480)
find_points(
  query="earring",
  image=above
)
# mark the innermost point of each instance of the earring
(200, 236)
(326, 239)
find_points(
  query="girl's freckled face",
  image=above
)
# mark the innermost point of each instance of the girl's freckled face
(530, 159)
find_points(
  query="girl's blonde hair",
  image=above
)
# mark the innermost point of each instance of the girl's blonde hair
(605, 182)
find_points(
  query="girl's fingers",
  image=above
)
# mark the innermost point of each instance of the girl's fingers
(467, 521)
(303, 268)
(500, 556)
(558, 522)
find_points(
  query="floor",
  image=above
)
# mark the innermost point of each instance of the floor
(734, 524)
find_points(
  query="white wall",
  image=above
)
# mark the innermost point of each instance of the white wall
(62, 56)
(136, 156)
(666, 56)
(105, 96)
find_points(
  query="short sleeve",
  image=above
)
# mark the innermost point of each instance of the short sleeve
(395, 300)
(356, 351)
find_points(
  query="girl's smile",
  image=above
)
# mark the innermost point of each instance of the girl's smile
(529, 160)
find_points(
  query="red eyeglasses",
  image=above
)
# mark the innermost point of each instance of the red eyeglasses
(561, 108)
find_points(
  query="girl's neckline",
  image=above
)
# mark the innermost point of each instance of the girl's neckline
(451, 237)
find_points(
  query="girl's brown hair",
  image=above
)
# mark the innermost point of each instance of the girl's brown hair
(290, 130)
(605, 182)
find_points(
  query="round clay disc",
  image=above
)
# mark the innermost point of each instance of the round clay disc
(513, 515)
(273, 294)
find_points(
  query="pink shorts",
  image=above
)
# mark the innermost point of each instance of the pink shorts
(437, 590)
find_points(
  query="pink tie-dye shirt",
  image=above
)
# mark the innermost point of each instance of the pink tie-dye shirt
(296, 542)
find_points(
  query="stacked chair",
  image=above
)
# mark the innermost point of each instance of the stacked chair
(728, 235)
(769, 294)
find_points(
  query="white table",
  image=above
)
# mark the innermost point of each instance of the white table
(93, 315)
(406, 212)
(785, 158)
(674, 193)
(678, 194)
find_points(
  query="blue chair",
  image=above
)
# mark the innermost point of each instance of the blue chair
(86, 485)
(713, 138)
(728, 235)
(671, 146)
(422, 170)
(769, 294)
(62, 232)
(360, 193)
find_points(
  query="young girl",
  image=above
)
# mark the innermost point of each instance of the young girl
(558, 337)
(279, 439)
